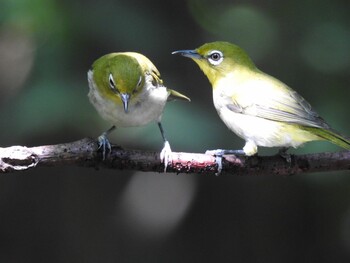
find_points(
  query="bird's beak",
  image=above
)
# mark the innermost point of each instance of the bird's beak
(125, 99)
(188, 53)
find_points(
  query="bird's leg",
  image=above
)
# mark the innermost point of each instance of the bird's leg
(218, 153)
(283, 153)
(165, 154)
(249, 149)
(103, 142)
(221, 152)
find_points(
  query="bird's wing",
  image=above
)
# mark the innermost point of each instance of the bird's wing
(149, 69)
(271, 99)
(174, 95)
(158, 82)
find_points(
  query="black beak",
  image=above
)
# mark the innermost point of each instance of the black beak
(188, 53)
(125, 99)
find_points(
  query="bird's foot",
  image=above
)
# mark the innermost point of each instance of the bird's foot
(165, 155)
(218, 153)
(283, 153)
(103, 142)
(104, 145)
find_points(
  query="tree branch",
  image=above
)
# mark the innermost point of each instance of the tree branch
(85, 153)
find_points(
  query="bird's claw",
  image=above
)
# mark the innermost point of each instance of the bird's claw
(218, 153)
(287, 156)
(104, 145)
(165, 155)
(218, 160)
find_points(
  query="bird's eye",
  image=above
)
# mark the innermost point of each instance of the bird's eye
(215, 57)
(138, 85)
(111, 83)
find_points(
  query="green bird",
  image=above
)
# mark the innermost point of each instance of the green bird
(256, 106)
(127, 90)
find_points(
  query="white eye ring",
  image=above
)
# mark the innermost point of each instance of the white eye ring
(215, 57)
(111, 82)
(140, 81)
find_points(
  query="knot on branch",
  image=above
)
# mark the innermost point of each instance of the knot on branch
(17, 158)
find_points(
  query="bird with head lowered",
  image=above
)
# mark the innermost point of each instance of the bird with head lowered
(126, 90)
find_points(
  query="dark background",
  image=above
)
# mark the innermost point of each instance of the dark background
(84, 215)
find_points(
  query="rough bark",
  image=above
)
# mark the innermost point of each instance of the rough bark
(85, 153)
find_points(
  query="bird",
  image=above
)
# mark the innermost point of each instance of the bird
(126, 89)
(257, 107)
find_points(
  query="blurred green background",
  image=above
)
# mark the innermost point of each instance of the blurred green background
(84, 215)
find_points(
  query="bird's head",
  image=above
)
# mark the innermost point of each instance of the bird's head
(119, 77)
(217, 59)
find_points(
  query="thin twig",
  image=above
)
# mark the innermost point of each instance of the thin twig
(84, 153)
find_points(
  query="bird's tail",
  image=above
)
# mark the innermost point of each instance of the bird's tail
(332, 136)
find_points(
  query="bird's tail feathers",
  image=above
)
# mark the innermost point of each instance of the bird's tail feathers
(175, 95)
(331, 135)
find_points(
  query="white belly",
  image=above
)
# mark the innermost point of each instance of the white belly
(149, 108)
(260, 131)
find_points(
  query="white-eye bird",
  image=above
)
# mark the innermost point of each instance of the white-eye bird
(126, 90)
(256, 106)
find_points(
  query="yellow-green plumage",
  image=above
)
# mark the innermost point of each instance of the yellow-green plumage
(132, 74)
(126, 90)
(256, 106)
(128, 72)
(330, 135)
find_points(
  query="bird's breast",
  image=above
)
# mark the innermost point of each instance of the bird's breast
(262, 132)
(147, 107)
